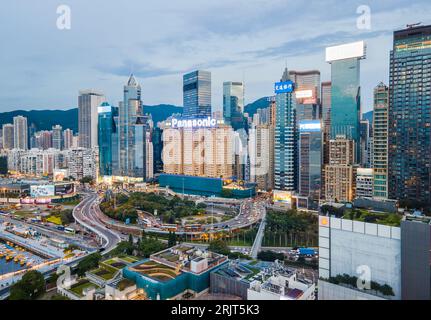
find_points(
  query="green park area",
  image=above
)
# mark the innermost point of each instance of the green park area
(170, 210)
(388, 219)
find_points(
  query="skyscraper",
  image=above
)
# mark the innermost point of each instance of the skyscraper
(129, 109)
(197, 94)
(8, 136)
(57, 138)
(67, 139)
(340, 172)
(326, 92)
(285, 148)
(410, 116)
(346, 91)
(233, 104)
(310, 162)
(20, 132)
(380, 141)
(106, 130)
(88, 102)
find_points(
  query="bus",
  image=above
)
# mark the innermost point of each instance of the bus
(193, 228)
(69, 230)
(169, 227)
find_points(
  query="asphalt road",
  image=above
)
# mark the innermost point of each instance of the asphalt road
(86, 215)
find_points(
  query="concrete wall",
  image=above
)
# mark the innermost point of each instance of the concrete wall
(329, 291)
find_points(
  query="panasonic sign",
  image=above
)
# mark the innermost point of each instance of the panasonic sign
(193, 123)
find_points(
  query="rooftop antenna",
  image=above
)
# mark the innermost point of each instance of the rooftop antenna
(409, 26)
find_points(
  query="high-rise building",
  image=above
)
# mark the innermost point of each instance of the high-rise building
(259, 145)
(410, 116)
(67, 139)
(157, 150)
(233, 104)
(310, 162)
(340, 172)
(130, 108)
(326, 92)
(365, 138)
(57, 137)
(380, 141)
(307, 93)
(106, 130)
(197, 94)
(345, 63)
(199, 151)
(364, 183)
(43, 140)
(31, 134)
(285, 147)
(20, 132)
(8, 136)
(88, 102)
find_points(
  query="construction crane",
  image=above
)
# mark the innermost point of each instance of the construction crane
(409, 26)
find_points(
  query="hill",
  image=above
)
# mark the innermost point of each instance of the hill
(68, 119)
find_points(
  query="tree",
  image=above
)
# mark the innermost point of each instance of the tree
(124, 247)
(219, 246)
(172, 239)
(130, 239)
(144, 235)
(149, 246)
(87, 179)
(30, 287)
(88, 263)
(270, 256)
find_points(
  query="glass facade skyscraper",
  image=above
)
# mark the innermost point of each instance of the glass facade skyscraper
(345, 63)
(107, 130)
(197, 94)
(233, 104)
(129, 109)
(410, 116)
(285, 147)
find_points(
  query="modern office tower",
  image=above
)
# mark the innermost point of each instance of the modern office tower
(233, 104)
(326, 92)
(369, 251)
(67, 139)
(142, 148)
(415, 258)
(157, 150)
(307, 93)
(285, 147)
(345, 63)
(106, 130)
(364, 183)
(57, 139)
(380, 141)
(410, 116)
(310, 163)
(340, 172)
(365, 138)
(197, 94)
(130, 108)
(20, 133)
(8, 136)
(204, 152)
(259, 146)
(88, 102)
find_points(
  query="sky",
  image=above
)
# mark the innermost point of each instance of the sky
(44, 67)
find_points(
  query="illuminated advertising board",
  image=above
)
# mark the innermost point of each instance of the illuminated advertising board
(194, 123)
(284, 197)
(346, 51)
(284, 87)
(39, 191)
(306, 96)
(59, 175)
(64, 188)
(310, 126)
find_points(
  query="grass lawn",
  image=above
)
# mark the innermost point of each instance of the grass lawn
(79, 287)
(129, 259)
(104, 273)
